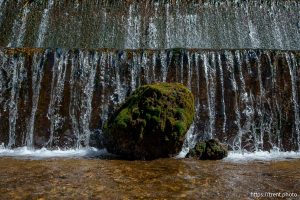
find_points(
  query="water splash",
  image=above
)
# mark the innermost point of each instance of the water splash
(44, 153)
(261, 156)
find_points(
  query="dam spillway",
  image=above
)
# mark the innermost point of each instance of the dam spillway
(151, 24)
(66, 65)
(62, 97)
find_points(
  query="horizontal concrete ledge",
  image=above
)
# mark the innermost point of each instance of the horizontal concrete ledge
(29, 50)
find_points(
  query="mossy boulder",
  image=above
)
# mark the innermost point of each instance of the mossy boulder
(152, 122)
(208, 150)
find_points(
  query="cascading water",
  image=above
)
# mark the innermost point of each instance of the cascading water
(37, 75)
(67, 65)
(19, 29)
(62, 97)
(246, 98)
(44, 23)
(2, 5)
(211, 24)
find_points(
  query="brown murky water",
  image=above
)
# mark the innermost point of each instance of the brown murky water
(158, 179)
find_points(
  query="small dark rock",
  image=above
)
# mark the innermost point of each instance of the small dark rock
(96, 139)
(208, 150)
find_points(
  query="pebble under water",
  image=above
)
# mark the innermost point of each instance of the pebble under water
(84, 178)
(66, 64)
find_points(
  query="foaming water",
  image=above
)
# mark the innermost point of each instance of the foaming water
(43, 153)
(91, 152)
(261, 156)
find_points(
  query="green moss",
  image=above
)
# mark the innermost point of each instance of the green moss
(123, 119)
(159, 113)
(155, 111)
(180, 127)
(155, 119)
(180, 113)
(197, 151)
(200, 147)
(135, 113)
(209, 150)
(215, 150)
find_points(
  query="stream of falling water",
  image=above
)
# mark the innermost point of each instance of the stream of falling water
(224, 24)
(44, 24)
(210, 88)
(2, 9)
(223, 93)
(19, 29)
(85, 87)
(37, 76)
(293, 73)
(247, 110)
(57, 87)
(16, 81)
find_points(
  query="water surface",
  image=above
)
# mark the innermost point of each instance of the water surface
(84, 178)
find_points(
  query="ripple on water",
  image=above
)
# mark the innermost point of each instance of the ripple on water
(91, 178)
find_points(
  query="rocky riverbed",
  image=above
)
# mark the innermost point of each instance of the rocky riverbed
(89, 178)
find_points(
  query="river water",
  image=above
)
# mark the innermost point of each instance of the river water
(88, 177)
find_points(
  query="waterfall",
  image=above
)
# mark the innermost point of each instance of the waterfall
(2, 9)
(293, 70)
(222, 93)
(66, 65)
(133, 29)
(44, 24)
(209, 69)
(16, 79)
(228, 24)
(19, 29)
(249, 99)
(37, 75)
(56, 94)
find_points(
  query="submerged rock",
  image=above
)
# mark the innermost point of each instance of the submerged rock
(208, 150)
(152, 122)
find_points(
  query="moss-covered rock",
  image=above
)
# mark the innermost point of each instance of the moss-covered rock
(208, 150)
(152, 122)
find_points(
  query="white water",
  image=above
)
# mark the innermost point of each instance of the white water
(133, 29)
(57, 87)
(210, 88)
(19, 29)
(214, 25)
(25, 152)
(44, 24)
(2, 9)
(292, 68)
(37, 75)
(274, 155)
(109, 77)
